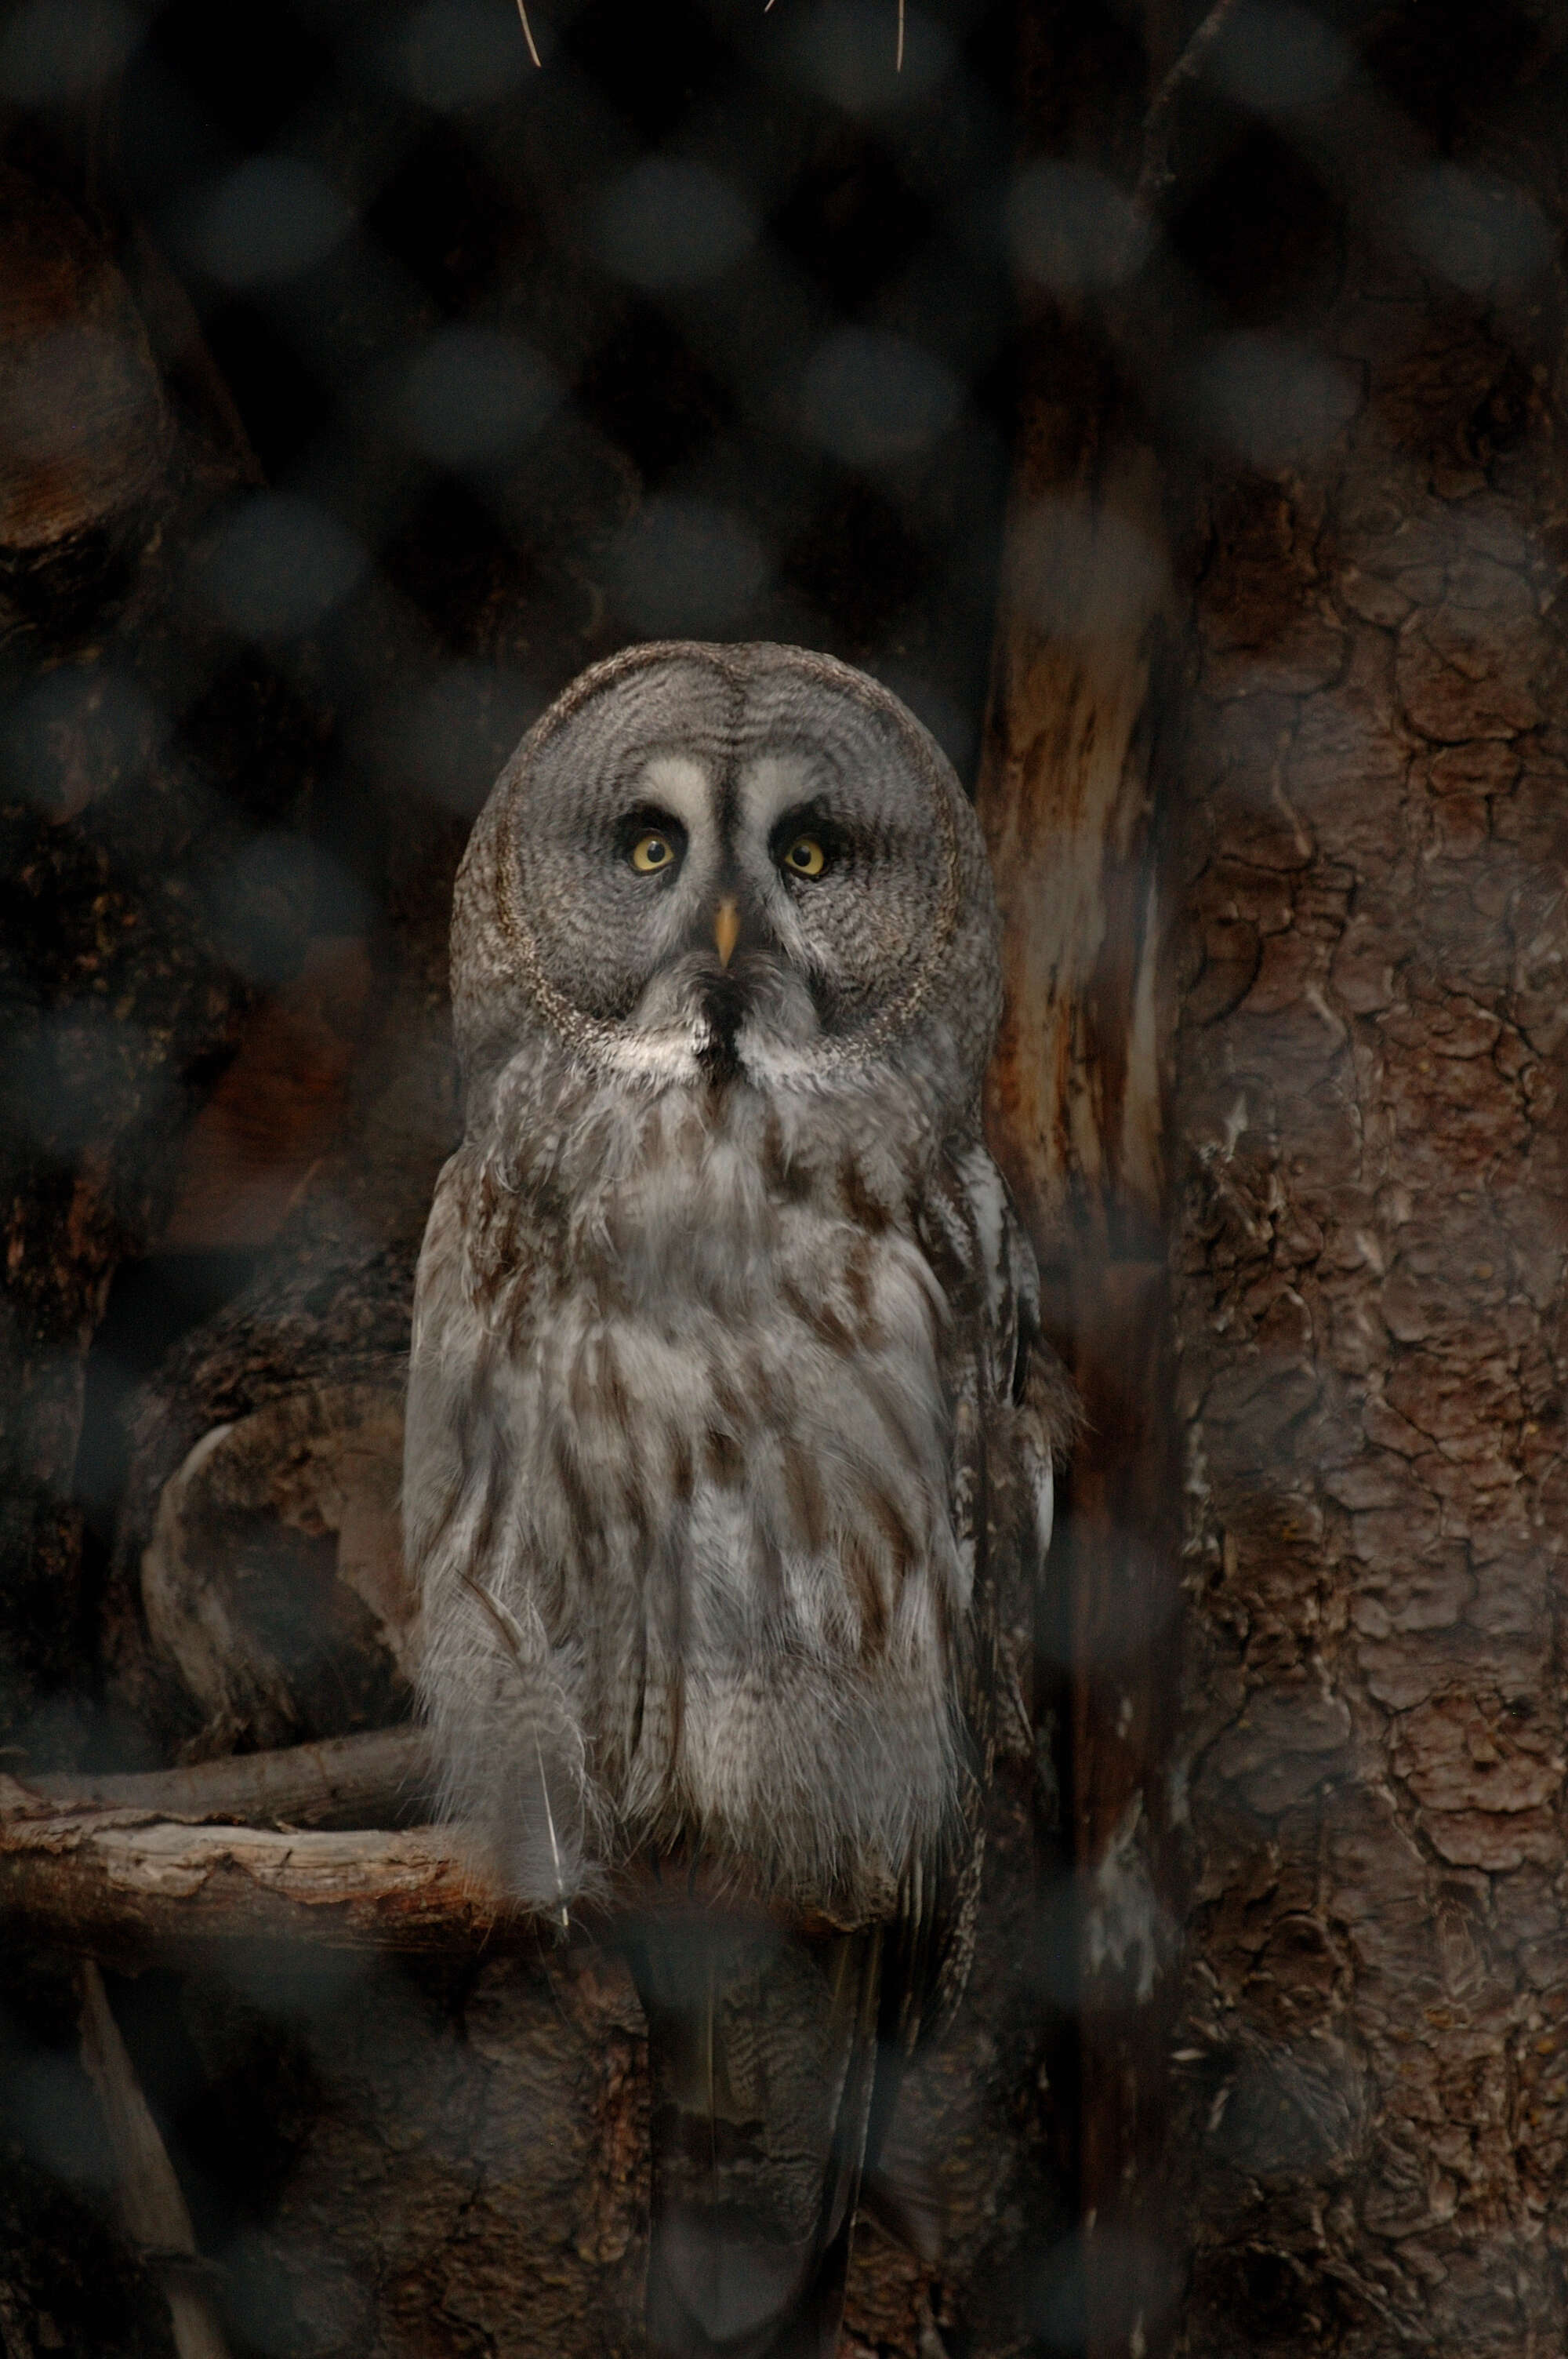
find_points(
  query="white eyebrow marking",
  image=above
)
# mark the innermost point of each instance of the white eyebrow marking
(774, 781)
(681, 786)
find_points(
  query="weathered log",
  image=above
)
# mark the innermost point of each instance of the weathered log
(255, 1596)
(266, 1636)
(256, 1593)
(122, 1883)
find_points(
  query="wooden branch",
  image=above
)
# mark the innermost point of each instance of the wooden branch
(1065, 798)
(124, 1882)
(366, 1781)
(151, 2203)
(1156, 171)
(1090, 634)
(112, 1880)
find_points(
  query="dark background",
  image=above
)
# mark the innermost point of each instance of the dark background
(703, 329)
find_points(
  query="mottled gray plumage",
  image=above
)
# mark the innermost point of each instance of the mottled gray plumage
(728, 1421)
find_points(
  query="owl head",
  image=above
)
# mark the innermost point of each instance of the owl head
(728, 866)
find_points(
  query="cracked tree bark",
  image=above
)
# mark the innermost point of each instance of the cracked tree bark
(1369, 1257)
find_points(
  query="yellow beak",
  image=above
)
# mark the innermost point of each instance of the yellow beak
(726, 930)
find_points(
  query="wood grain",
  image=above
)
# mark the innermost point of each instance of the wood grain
(113, 1880)
(148, 2195)
(367, 1780)
(114, 1877)
(1089, 634)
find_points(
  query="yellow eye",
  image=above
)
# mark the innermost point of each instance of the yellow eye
(805, 856)
(651, 853)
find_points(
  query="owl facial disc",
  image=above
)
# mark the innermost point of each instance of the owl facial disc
(712, 865)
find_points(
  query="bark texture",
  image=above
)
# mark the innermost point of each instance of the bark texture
(1369, 1258)
(1075, 761)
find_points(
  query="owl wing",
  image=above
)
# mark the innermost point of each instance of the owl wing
(511, 1752)
(1014, 1413)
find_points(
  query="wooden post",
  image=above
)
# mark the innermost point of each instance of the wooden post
(1067, 799)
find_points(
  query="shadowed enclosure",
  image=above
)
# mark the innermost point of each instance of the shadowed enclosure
(1167, 405)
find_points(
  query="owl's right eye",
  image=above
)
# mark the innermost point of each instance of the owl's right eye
(651, 852)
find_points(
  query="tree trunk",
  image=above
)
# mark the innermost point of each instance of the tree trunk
(1347, 353)
(1076, 763)
(1369, 1234)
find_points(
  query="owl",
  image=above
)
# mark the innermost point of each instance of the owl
(731, 1429)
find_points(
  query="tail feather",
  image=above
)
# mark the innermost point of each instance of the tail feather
(514, 1769)
(763, 2048)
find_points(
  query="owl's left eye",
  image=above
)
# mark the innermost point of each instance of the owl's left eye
(805, 856)
(651, 850)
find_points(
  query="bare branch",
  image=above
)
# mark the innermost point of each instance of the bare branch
(377, 1779)
(124, 1882)
(150, 2199)
(110, 1880)
(1156, 171)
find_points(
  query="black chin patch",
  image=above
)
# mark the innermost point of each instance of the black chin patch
(724, 1003)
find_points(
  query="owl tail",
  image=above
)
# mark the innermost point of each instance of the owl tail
(515, 1772)
(762, 2050)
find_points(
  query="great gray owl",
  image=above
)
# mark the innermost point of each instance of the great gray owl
(729, 1426)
